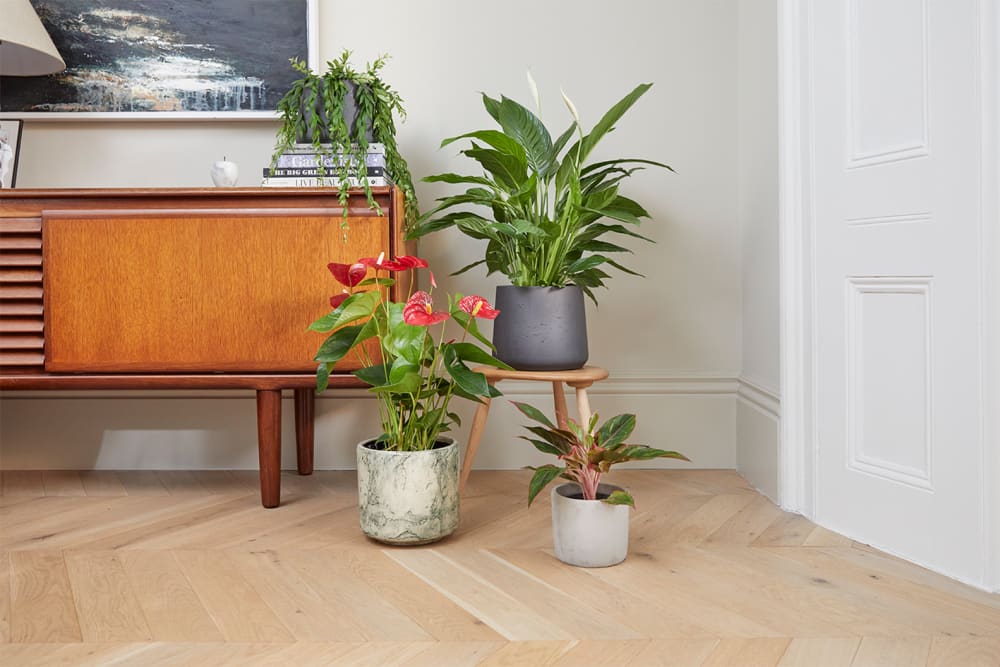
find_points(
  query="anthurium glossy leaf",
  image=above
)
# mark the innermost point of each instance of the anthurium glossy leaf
(470, 381)
(381, 282)
(322, 377)
(473, 353)
(543, 475)
(338, 344)
(372, 375)
(402, 339)
(463, 320)
(352, 309)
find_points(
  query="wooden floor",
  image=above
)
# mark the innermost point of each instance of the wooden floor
(181, 568)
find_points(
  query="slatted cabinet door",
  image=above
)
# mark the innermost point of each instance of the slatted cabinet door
(21, 319)
(223, 290)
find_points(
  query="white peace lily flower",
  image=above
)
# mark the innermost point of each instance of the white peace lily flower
(534, 92)
(570, 106)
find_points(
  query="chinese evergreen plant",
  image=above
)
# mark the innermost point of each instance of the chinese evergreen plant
(586, 452)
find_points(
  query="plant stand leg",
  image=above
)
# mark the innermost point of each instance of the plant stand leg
(583, 403)
(559, 399)
(478, 426)
(305, 412)
(269, 445)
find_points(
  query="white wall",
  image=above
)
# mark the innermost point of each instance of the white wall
(672, 340)
(758, 411)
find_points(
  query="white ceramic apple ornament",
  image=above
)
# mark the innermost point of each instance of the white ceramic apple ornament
(225, 173)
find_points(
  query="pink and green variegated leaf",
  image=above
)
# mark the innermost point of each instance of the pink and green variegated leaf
(543, 475)
(532, 412)
(541, 446)
(615, 430)
(642, 453)
(619, 497)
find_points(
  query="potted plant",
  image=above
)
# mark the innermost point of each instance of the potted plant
(589, 519)
(408, 477)
(339, 113)
(548, 213)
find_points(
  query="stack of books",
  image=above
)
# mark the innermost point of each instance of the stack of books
(299, 167)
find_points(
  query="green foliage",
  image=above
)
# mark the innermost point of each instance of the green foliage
(586, 452)
(411, 372)
(538, 203)
(376, 104)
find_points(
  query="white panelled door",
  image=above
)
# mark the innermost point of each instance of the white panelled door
(896, 234)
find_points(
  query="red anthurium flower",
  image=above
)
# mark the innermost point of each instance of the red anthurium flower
(477, 306)
(348, 275)
(338, 299)
(402, 263)
(419, 311)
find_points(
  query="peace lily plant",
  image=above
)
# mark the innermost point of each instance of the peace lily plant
(543, 208)
(413, 374)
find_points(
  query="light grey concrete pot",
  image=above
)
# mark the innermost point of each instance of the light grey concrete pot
(408, 497)
(588, 533)
(541, 328)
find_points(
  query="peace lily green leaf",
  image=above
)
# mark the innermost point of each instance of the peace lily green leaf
(528, 131)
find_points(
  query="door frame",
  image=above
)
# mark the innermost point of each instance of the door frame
(797, 461)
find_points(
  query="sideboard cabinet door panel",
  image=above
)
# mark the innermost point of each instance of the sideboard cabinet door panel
(193, 290)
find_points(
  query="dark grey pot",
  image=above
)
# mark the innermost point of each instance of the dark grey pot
(541, 328)
(350, 115)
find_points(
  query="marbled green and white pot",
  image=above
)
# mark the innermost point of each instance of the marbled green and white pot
(588, 533)
(408, 497)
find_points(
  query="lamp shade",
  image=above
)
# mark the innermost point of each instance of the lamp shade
(25, 47)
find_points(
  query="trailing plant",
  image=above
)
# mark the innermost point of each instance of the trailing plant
(586, 452)
(312, 111)
(547, 209)
(413, 375)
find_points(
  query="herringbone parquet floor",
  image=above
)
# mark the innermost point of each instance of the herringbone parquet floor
(186, 568)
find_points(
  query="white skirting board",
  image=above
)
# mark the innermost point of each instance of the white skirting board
(758, 421)
(162, 430)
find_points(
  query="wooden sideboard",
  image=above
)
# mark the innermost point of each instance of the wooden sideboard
(208, 288)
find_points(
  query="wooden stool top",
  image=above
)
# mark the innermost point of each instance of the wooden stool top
(585, 376)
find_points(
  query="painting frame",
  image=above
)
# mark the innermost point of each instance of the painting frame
(312, 50)
(10, 151)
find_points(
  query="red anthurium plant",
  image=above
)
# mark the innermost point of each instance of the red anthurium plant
(413, 374)
(586, 453)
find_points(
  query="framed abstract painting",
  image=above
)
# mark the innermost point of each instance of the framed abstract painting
(10, 149)
(149, 59)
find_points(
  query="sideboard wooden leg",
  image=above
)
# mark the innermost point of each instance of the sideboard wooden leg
(305, 412)
(269, 445)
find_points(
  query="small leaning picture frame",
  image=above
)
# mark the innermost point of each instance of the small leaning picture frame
(10, 148)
